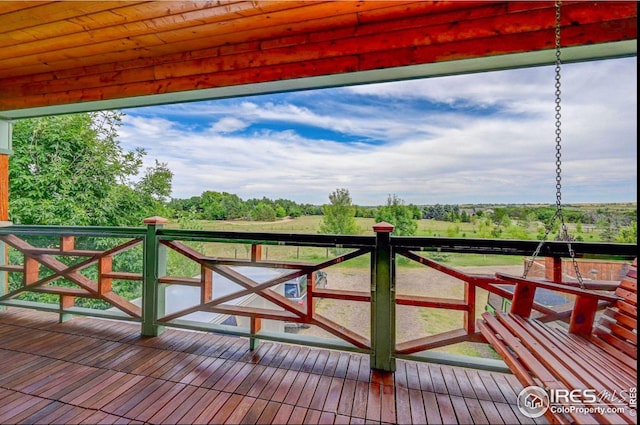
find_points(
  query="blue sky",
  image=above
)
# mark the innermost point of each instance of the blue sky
(478, 138)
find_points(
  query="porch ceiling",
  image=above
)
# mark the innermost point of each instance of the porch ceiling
(59, 56)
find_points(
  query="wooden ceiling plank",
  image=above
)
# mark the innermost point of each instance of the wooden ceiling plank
(82, 27)
(120, 23)
(235, 33)
(176, 29)
(422, 34)
(12, 6)
(53, 12)
(217, 69)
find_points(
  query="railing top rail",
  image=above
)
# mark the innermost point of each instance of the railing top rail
(264, 238)
(513, 247)
(73, 230)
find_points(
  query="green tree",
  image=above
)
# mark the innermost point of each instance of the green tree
(263, 212)
(398, 214)
(339, 216)
(71, 170)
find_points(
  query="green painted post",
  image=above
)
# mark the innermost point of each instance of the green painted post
(6, 127)
(383, 321)
(155, 264)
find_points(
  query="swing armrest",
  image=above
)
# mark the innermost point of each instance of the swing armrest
(585, 306)
(564, 288)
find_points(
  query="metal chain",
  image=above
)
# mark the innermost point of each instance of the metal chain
(558, 214)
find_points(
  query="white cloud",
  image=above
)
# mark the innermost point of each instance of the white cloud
(490, 138)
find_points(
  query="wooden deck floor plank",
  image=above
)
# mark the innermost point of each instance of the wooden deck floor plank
(509, 394)
(333, 395)
(354, 367)
(38, 377)
(309, 361)
(65, 415)
(14, 404)
(27, 364)
(203, 363)
(250, 380)
(309, 390)
(295, 391)
(400, 375)
(255, 410)
(321, 392)
(446, 408)
(416, 403)
(280, 393)
(49, 413)
(77, 394)
(388, 404)
(268, 355)
(478, 415)
(175, 361)
(239, 378)
(463, 414)
(342, 366)
(450, 380)
(230, 375)
(212, 407)
(87, 379)
(261, 382)
(185, 406)
(507, 414)
(273, 384)
(290, 357)
(204, 373)
(226, 409)
(30, 407)
(297, 415)
(172, 405)
(364, 370)
(111, 391)
(492, 387)
(431, 408)
(283, 414)
(437, 378)
(300, 358)
(478, 385)
(129, 399)
(312, 417)
(269, 412)
(321, 362)
(412, 376)
(232, 350)
(374, 402)
(345, 404)
(155, 399)
(74, 374)
(183, 368)
(466, 388)
(327, 418)
(341, 419)
(403, 405)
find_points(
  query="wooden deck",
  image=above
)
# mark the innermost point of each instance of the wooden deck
(96, 371)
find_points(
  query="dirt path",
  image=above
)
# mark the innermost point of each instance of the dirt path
(411, 322)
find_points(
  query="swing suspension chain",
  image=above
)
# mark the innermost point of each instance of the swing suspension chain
(558, 132)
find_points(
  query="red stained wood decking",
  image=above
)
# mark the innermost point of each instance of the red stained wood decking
(96, 371)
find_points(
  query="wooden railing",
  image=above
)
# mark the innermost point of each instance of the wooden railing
(85, 263)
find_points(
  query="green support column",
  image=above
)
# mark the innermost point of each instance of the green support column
(383, 321)
(5, 151)
(155, 264)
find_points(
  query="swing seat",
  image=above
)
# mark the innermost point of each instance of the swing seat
(601, 359)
